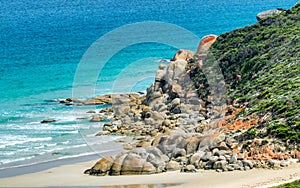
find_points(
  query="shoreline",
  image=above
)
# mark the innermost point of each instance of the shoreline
(71, 175)
(20, 170)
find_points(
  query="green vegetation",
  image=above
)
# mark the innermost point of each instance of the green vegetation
(295, 184)
(266, 56)
(250, 133)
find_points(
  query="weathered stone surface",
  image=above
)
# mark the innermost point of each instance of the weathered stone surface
(189, 168)
(97, 118)
(233, 158)
(175, 70)
(220, 165)
(284, 163)
(148, 168)
(213, 159)
(160, 73)
(173, 166)
(117, 164)
(132, 164)
(178, 152)
(102, 166)
(268, 13)
(156, 157)
(183, 55)
(221, 158)
(248, 163)
(195, 158)
(206, 156)
(212, 141)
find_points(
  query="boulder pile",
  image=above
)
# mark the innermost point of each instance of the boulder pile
(173, 127)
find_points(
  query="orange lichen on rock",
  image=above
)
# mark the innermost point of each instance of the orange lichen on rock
(267, 153)
(230, 123)
(257, 149)
(295, 154)
(260, 152)
(206, 43)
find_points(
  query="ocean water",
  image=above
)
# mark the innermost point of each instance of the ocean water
(43, 42)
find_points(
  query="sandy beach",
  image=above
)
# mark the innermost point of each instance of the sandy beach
(72, 175)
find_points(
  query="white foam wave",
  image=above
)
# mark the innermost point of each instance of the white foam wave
(68, 132)
(64, 148)
(39, 147)
(51, 145)
(8, 153)
(26, 140)
(66, 142)
(5, 161)
(45, 127)
(77, 146)
(75, 156)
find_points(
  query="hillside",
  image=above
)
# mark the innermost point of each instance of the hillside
(261, 67)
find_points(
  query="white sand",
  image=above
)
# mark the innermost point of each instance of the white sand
(72, 175)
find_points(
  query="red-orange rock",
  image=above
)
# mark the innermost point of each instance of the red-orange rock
(206, 43)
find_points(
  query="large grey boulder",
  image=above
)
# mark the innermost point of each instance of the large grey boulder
(268, 13)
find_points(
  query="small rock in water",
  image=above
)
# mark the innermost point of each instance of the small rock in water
(91, 112)
(96, 118)
(48, 121)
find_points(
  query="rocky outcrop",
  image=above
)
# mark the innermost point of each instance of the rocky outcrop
(180, 151)
(206, 43)
(171, 103)
(115, 99)
(177, 125)
(265, 14)
(183, 55)
(148, 160)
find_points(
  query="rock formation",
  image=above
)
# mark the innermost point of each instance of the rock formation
(179, 123)
(206, 43)
(265, 14)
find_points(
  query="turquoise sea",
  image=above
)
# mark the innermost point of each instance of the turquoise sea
(42, 44)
